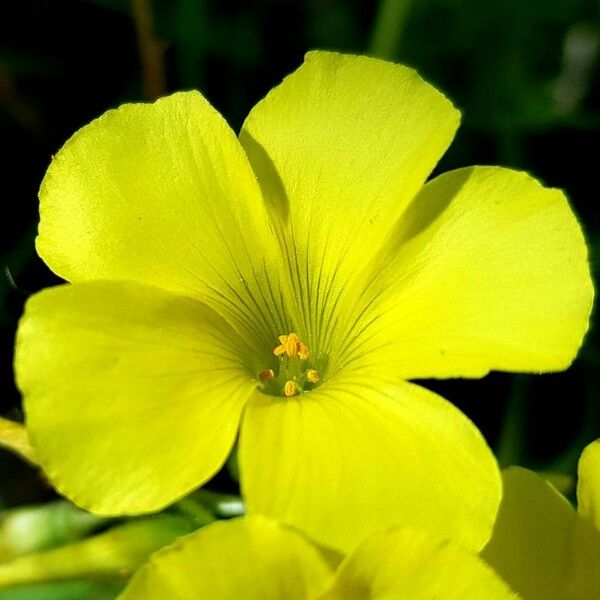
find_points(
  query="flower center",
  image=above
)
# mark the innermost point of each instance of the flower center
(295, 374)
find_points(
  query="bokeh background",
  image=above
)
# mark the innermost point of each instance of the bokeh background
(524, 74)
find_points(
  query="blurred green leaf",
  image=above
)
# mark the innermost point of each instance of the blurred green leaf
(500, 59)
(72, 590)
(116, 553)
(30, 529)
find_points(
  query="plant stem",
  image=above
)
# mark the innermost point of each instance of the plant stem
(512, 436)
(151, 51)
(388, 28)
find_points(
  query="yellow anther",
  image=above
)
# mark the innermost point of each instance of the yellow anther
(290, 388)
(312, 375)
(291, 350)
(303, 352)
(292, 346)
(267, 375)
(279, 350)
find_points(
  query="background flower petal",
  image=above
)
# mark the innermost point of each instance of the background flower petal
(132, 395)
(163, 194)
(339, 148)
(13, 436)
(541, 546)
(356, 456)
(487, 270)
(250, 558)
(406, 563)
(588, 483)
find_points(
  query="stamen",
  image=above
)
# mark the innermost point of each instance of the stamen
(303, 352)
(290, 388)
(312, 375)
(292, 376)
(267, 375)
(291, 346)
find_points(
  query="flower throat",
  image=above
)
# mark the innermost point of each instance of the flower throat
(295, 376)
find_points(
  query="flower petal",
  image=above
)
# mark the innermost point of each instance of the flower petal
(541, 546)
(405, 563)
(251, 558)
(487, 270)
(132, 395)
(588, 484)
(356, 456)
(162, 194)
(340, 148)
(13, 436)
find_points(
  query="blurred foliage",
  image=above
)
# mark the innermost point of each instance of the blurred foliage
(525, 75)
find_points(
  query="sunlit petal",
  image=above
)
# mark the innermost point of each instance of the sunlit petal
(356, 456)
(340, 148)
(251, 558)
(412, 565)
(163, 194)
(132, 395)
(487, 270)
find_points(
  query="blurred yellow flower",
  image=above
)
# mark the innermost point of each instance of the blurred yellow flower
(541, 545)
(276, 563)
(292, 283)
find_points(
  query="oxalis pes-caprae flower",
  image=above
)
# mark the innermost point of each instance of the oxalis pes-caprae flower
(291, 281)
(278, 563)
(541, 546)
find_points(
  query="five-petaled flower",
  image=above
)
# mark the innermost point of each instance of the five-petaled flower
(291, 281)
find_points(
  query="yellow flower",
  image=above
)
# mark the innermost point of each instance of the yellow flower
(272, 562)
(292, 283)
(541, 545)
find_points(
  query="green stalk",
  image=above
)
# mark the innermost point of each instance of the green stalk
(512, 437)
(388, 28)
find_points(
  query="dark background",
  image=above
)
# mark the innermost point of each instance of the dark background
(524, 74)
